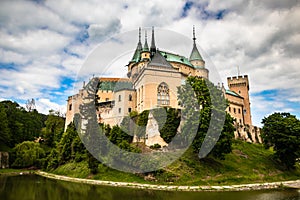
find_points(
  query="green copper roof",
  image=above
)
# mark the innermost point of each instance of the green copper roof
(106, 85)
(115, 85)
(195, 55)
(233, 93)
(139, 48)
(123, 86)
(170, 57)
(146, 47)
(136, 55)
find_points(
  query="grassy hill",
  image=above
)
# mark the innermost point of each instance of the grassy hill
(248, 163)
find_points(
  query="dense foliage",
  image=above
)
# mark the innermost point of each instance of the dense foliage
(168, 120)
(29, 154)
(201, 101)
(282, 132)
(18, 125)
(53, 130)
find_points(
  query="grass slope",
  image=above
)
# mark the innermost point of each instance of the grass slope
(248, 163)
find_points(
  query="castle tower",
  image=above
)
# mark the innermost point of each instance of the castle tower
(197, 60)
(240, 85)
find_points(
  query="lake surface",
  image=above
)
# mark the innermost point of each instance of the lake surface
(33, 187)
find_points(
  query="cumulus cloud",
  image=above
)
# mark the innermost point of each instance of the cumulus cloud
(99, 32)
(43, 105)
(37, 42)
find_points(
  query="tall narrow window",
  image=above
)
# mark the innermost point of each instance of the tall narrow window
(120, 98)
(130, 97)
(142, 93)
(163, 97)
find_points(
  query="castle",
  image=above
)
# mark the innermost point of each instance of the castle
(153, 78)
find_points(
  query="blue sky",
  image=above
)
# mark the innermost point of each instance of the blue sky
(43, 44)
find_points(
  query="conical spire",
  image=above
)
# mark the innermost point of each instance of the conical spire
(146, 47)
(139, 47)
(195, 55)
(153, 47)
(136, 55)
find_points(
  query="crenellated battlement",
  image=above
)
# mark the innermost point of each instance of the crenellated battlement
(237, 78)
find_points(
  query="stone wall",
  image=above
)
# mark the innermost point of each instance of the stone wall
(4, 160)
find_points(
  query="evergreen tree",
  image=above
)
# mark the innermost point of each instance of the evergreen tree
(54, 129)
(18, 125)
(201, 101)
(282, 132)
(65, 146)
(5, 136)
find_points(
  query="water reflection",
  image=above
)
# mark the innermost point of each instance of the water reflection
(33, 187)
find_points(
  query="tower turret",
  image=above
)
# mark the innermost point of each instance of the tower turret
(240, 85)
(145, 53)
(195, 57)
(197, 61)
(136, 55)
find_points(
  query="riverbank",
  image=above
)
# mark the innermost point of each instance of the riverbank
(12, 172)
(242, 187)
(248, 163)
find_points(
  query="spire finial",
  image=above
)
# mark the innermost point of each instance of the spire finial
(195, 55)
(146, 48)
(153, 47)
(194, 38)
(139, 34)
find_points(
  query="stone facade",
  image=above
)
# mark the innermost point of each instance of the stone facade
(153, 79)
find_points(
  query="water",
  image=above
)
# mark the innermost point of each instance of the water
(34, 187)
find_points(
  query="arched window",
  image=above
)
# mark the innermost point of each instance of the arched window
(163, 97)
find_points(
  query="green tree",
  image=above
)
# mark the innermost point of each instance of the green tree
(168, 120)
(93, 163)
(4, 130)
(208, 101)
(141, 122)
(66, 145)
(117, 136)
(223, 146)
(28, 154)
(282, 132)
(53, 130)
(18, 125)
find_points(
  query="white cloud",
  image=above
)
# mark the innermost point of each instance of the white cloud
(29, 82)
(21, 16)
(43, 105)
(8, 56)
(98, 32)
(37, 42)
(49, 40)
